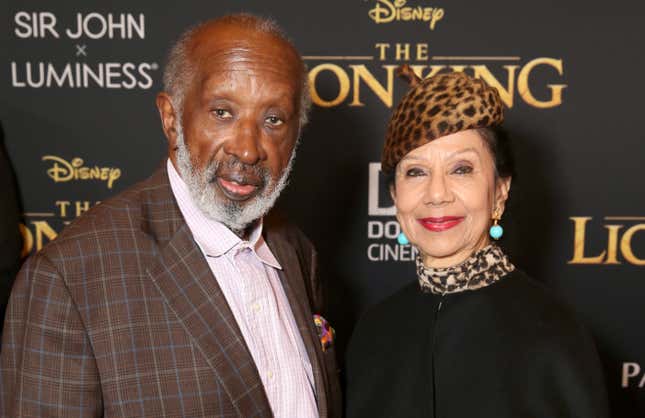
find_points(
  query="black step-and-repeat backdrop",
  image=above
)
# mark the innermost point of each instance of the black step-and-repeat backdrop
(79, 123)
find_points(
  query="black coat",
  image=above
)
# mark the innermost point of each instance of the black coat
(506, 350)
(10, 240)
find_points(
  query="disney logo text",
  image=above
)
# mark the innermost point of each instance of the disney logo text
(63, 171)
(387, 11)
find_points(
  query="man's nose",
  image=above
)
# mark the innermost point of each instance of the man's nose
(246, 143)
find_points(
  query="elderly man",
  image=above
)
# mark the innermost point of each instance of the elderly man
(177, 297)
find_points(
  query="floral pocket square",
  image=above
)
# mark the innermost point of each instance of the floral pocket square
(325, 332)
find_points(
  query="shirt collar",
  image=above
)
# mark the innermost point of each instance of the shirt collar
(214, 238)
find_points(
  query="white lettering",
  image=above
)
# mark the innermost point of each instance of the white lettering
(78, 28)
(95, 26)
(630, 370)
(112, 72)
(373, 208)
(120, 24)
(14, 77)
(374, 229)
(370, 252)
(110, 75)
(41, 75)
(22, 20)
(392, 229)
(378, 229)
(60, 80)
(139, 27)
(35, 25)
(391, 252)
(143, 70)
(102, 29)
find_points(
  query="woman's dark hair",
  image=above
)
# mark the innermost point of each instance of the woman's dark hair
(498, 142)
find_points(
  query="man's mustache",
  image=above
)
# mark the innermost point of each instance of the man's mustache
(235, 170)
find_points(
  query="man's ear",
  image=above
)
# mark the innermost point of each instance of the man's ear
(168, 118)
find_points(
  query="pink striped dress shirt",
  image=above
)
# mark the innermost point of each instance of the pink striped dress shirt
(247, 273)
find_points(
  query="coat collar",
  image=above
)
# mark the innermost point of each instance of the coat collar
(293, 282)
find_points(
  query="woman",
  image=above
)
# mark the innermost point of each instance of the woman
(474, 336)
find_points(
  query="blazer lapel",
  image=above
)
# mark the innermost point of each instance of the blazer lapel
(184, 279)
(293, 284)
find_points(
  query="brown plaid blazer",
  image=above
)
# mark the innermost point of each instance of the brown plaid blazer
(121, 316)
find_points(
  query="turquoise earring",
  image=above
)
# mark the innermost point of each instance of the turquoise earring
(402, 239)
(496, 231)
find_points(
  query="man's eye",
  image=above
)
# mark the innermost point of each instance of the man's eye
(222, 113)
(274, 120)
(463, 169)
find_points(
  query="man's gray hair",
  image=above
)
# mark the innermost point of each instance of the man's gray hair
(180, 69)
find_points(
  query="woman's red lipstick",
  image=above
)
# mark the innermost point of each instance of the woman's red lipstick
(442, 223)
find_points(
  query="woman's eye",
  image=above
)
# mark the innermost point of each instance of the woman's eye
(274, 120)
(414, 172)
(222, 113)
(463, 169)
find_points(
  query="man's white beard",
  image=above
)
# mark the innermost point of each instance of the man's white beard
(235, 215)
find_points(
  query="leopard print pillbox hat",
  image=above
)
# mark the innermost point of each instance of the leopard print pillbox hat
(438, 106)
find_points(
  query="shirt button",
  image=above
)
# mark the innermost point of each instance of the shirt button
(256, 307)
(270, 375)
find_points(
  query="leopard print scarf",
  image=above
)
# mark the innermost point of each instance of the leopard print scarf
(481, 269)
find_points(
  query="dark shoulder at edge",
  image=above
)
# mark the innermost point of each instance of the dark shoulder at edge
(533, 300)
